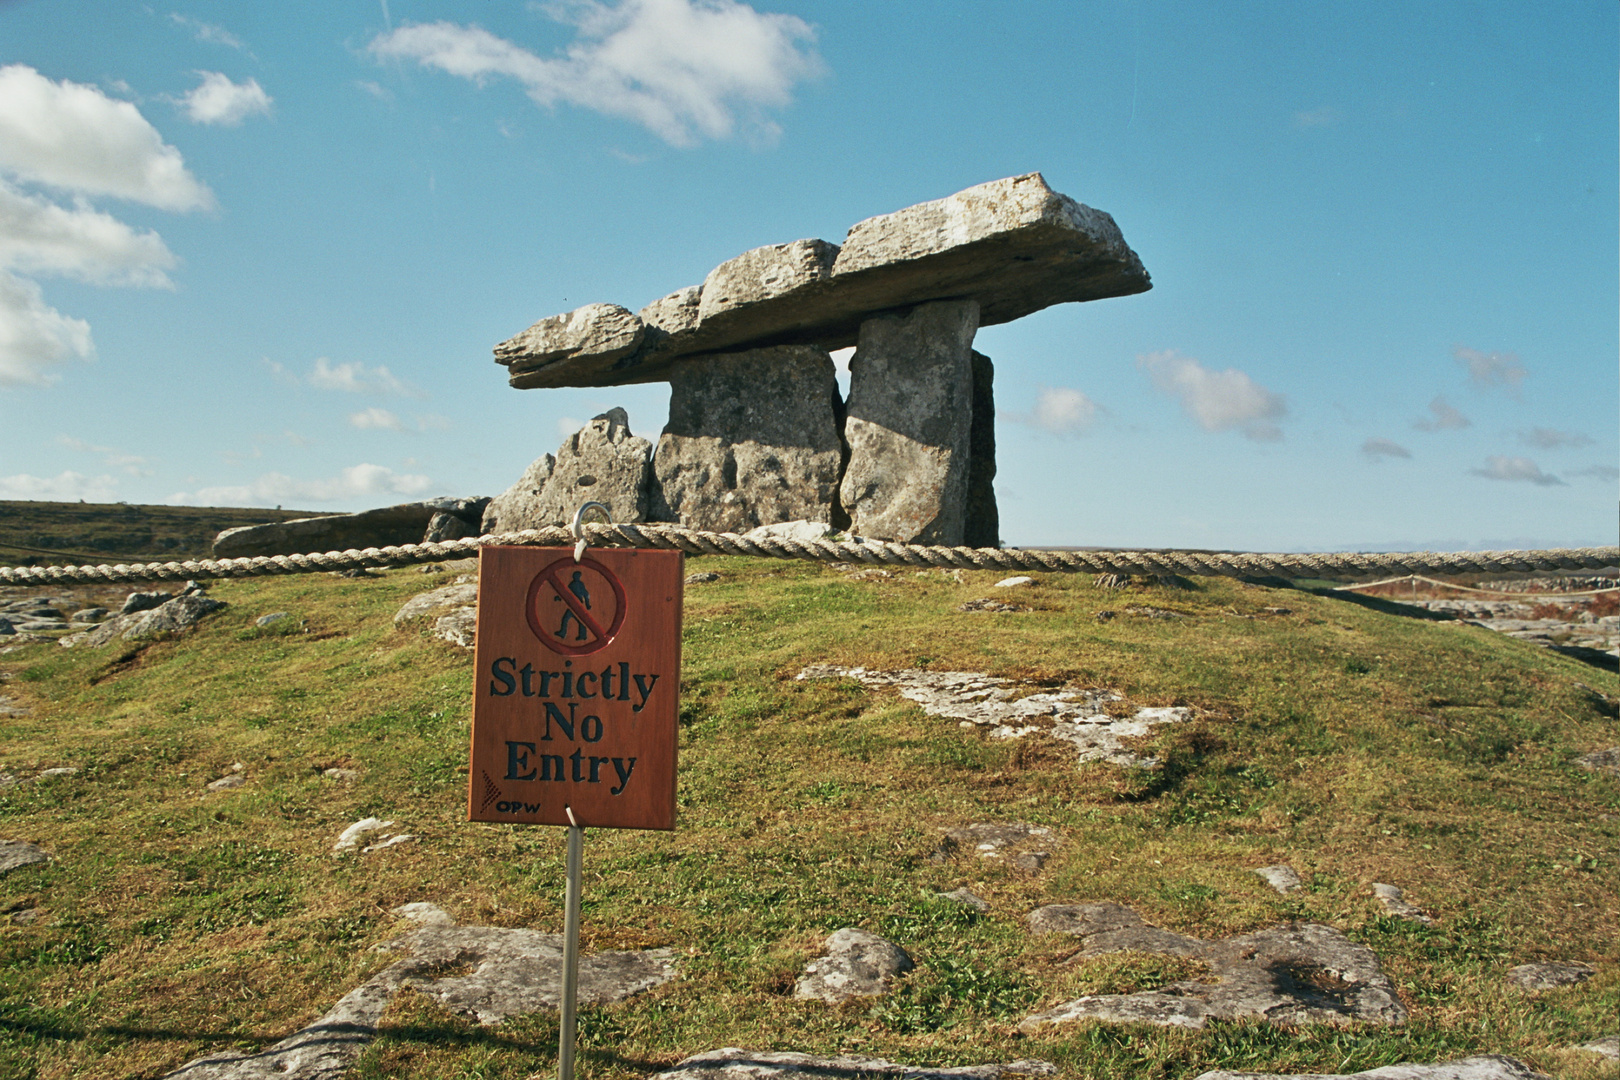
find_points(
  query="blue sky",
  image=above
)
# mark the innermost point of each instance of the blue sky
(259, 255)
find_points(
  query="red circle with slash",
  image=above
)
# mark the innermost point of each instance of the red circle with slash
(577, 608)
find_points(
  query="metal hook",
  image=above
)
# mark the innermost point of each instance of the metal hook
(579, 526)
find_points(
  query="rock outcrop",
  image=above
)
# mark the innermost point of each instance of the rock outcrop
(406, 523)
(735, 1063)
(857, 964)
(169, 617)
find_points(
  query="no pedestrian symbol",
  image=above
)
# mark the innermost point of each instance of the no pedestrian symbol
(575, 608)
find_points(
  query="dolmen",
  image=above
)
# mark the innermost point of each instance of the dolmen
(758, 432)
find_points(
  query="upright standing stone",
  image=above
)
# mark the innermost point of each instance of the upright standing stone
(601, 462)
(909, 420)
(983, 525)
(752, 439)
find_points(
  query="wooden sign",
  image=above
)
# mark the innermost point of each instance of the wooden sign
(576, 688)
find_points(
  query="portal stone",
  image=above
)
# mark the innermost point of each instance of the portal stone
(752, 439)
(601, 462)
(909, 423)
(595, 335)
(983, 525)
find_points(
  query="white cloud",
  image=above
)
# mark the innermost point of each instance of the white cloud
(1446, 418)
(279, 489)
(217, 100)
(1217, 400)
(74, 137)
(375, 419)
(1060, 410)
(35, 337)
(65, 486)
(1490, 369)
(1552, 439)
(1598, 472)
(355, 378)
(133, 464)
(207, 32)
(375, 90)
(680, 68)
(1500, 467)
(40, 237)
(1381, 448)
(567, 425)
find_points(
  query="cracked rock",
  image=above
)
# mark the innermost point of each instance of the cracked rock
(735, 1063)
(1488, 1067)
(1071, 714)
(1295, 973)
(857, 964)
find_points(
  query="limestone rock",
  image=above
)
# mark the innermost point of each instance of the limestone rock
(802, 531)
(1014, 246)
(1394, 901)
(446, 596)
(424, 914)
(1548, 976)
(458, 627)
(982, 525)
(1601, 761)
(1014, 582)
(909, 420)
(591, 337)
(144, 601)
(1488, 1067)
(1608, 1046)
(734, 1063)
(752, 439)
(996, 840)
(91, 614)
(601, 462)
(857, 964)
(442, 526)
(1296, 973)
(383, 527)
(272, 618)
(967, 898)
(1280, 877)
(702, 577)
(170, 617)
(15, 854)
(351, 837)
(226, 783)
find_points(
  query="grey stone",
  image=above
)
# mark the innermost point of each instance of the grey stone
(982, 525)
(424, 914)
(58, 772)
(227, 783)
(802, 531)
(1280, 877)
(1012, 582)
(37, 626)
(7, 626)
(1394, 901)
(996, 840)
(752, 439)
(1013, 246)
(272, 618)
(90, 614)
(857, 964)
(909, 425)
(516, 971)
(459, 627)
(967, 898)
(15, 854)
(702, 577)
(25, 916)
(1111, 581)
(514, 509)
(1608, 1046)
(383, 527)
(986, 604)
(589, 338)
(170, 617)
(349, 839)
(436, 600)
(341, 774)
(1488, 1067)
(1601, 761)
(1030, 862)
(735, 1063)
(443, 526)
(1549, 976)
(1071, 714)
(602, 462)
(10, 706)
(1293, 974)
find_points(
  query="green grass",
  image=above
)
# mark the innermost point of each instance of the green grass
(1356, 744)
(53, 533)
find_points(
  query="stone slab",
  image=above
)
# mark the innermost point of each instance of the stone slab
(15, 854)
(1487, 1067)
(735, 1063)
(981, 525)
(752, 439)
(404, 523)
(1014, 246)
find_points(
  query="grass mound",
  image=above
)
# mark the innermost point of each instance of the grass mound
(1344, 738)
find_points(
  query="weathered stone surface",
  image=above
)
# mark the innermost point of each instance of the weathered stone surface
(1488, 1067)
(967, 898)
(442, 526)
(1296, 973)
(458, 627)
(226, 783)
(1071, 714)
(982, 524)
(1014, 246)
(1014, 582)
(592, 336)
(144, 601)
(1394, 901)
(353, 836)
(90, 614)
(909, 420)
(170, 617)
(601, 462)
(802, 531)
(734, 1063)
(1549, 976)
(436, 600)
(388, 525)
(1608, 1046)
(857, 964)
(272, 618)
(993, 840)
(1601, 761)
(1280, 877)
(424, 914)
(752, 439)
(15, 854)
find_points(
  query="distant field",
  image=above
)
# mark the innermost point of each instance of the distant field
(54, 533)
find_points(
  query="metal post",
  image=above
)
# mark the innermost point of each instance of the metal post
(570, 972)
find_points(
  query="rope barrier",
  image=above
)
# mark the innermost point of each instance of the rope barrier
(1326, 566)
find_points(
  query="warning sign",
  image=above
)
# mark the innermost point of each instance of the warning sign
(575, 696)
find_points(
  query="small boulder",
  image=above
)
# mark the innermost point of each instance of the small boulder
(442, 526)
(1601, 761)
(1394, 901)
(1014, 582)
(424, 914)
(703, 577)
(169, 617)
(1608, 1046)
(967, 899)
(270, 619)
(351, 837)
(227, 783)
(857, 964)
(16, 854)
(1548, 976)
(802, 531)
(458, 628)
(435, 600)
(1280, 877)
(90, 614)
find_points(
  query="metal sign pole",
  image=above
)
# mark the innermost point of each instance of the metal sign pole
(570, 971)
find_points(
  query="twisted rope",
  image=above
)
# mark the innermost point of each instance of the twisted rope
(1331, 567)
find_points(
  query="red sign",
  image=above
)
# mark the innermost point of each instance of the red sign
(576, 687)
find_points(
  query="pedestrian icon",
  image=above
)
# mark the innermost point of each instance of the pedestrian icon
(575, 608)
